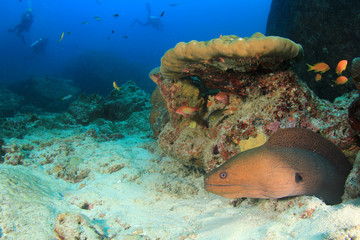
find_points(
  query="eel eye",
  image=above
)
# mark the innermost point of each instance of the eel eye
(298, 178)
(223, 175)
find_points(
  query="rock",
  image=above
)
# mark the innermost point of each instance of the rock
(77, 226)
(119, 105)
(10, 102)
(159, 114)
(87, 108)
(352, 185)
(47, 92)
(328, 32)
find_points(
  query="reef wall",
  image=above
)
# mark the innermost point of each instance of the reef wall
(328, 32)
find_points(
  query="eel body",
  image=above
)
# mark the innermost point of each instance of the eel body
(294, 161)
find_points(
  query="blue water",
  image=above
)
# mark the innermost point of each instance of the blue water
(92, 49)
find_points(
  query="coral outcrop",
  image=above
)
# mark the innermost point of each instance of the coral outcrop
(229, 94)
(121, 104)
(175, 60)
(87, 108)
(118, 106)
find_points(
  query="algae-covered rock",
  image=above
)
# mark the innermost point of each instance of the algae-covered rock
(87, 108)
(120, 104)
(77, 226)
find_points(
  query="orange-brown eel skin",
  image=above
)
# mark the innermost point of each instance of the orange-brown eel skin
(294, 161)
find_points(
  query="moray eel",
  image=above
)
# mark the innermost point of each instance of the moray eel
(294, 161)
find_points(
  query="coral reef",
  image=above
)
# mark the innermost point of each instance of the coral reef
(352, 185)
(118, 106)
(159, 114)
(354, 109)
(121, 104)
(295, 20)
(217, 99)
(87, 108)
(61, 157)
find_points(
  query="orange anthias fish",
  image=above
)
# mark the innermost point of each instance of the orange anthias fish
(341, 67)
(341, 80)
(319, 67)
(185, 111)
(222, 97)
(318, 77)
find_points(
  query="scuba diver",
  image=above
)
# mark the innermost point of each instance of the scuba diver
(24, 25)
(38, 47)
(153, 21)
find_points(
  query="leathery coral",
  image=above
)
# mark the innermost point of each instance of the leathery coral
(237, 89)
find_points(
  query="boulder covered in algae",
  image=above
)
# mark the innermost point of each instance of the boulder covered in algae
(229, 94)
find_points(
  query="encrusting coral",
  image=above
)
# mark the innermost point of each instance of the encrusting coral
(174, 62)
(231, 91)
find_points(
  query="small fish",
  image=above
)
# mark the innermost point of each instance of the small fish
(66, 97)
(173, 4)
(108, 38)
(341, 80)
(341, 67)
(68, 33)
(116, 86)
(162, 14)
(185, 111)
(215, 115)
(84, 22)
(125, 36)
(61, 37)
(116, 15)
(318, 77)
(98, 19)
(319, 67)
(112, 31)
(222, 97)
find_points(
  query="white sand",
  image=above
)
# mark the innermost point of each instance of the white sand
(150, 196)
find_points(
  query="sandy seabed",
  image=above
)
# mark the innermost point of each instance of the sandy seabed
(73, 186)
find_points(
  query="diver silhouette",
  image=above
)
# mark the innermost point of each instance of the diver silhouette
(38, 47)
(24, 25)
(152, 21)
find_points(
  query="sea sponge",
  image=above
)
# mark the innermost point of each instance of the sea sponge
(252, 142)
(175, 60)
